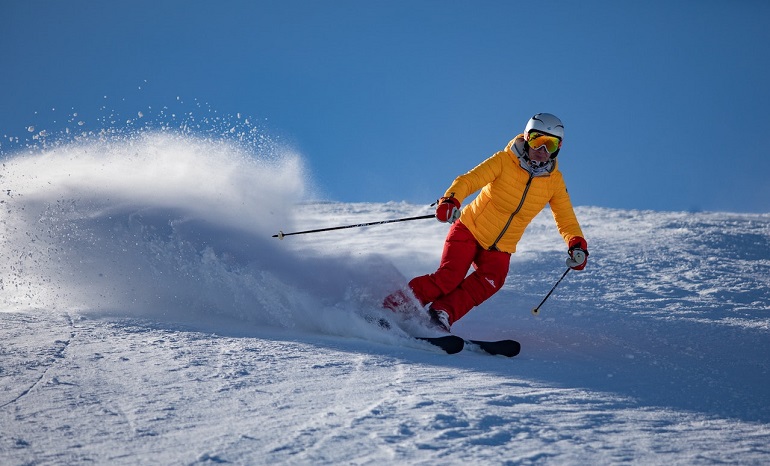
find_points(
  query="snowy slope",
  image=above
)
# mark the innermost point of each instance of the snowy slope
(149, 318)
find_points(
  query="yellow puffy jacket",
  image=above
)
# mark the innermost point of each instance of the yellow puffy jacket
(511, 196)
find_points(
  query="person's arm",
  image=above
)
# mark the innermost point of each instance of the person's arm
(483, 174)
(569, 228)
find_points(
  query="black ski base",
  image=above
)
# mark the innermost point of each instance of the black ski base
(450, 343)
(508, 348)
(453, 344)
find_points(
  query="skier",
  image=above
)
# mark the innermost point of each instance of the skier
(516, 184)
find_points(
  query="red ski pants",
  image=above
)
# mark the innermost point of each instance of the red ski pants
(448, 288)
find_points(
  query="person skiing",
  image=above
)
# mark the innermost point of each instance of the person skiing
(516, 184)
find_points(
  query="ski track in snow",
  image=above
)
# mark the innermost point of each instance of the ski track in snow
(155, 330)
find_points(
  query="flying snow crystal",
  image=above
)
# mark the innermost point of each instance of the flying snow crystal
(31, 129)
(168, 196)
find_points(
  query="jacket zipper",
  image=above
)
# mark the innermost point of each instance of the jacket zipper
(510, 219)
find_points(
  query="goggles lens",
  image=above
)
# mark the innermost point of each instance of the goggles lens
(537, 140)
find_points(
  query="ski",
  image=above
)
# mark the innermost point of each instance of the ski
(507, 348)
(453, 344)
(450, 343)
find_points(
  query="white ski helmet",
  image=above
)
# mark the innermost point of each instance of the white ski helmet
(546, 123)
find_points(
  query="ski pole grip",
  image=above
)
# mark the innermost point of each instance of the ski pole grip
(578, 257)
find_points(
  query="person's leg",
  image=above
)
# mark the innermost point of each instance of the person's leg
(489, 277)
(459, 250)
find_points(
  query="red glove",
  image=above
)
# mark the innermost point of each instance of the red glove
(578, 253)
(448, 209)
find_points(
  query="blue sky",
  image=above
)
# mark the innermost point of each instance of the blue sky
(665, 103)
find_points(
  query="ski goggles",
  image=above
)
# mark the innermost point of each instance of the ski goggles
(537, 140)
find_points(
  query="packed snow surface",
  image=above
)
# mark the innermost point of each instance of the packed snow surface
(149, 317)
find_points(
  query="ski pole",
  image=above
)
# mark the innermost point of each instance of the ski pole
(281, 234)
(536, 311)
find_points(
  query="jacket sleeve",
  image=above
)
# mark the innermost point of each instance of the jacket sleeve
(483, 174)
(564, 213)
